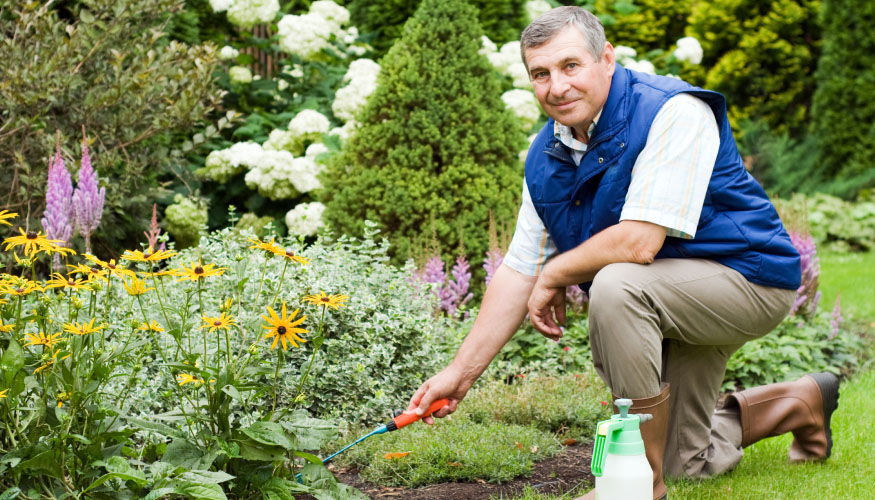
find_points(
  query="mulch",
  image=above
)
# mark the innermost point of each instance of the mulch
(556, 475)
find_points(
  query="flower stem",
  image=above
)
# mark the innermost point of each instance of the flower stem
(279, 284)
(312, 357)
(276, 376)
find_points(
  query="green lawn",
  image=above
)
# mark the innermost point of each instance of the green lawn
(852, 275)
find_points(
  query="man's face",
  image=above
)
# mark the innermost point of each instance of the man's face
(571, 86)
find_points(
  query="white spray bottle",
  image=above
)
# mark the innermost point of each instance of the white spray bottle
(619, 464)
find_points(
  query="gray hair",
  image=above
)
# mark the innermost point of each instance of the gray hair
(542, 29)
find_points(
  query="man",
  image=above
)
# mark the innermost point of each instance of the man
(635, 188)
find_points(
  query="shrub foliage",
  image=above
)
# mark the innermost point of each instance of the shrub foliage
(107, 66)
(436, 151)
(843, 118)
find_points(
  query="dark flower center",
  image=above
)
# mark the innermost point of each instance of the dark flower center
(147, 255)
(199, 270)
(31, 235)
(19, 290)
(70, 282)
(281, 330)
(325, 299)
(290, 253)
(217, 323)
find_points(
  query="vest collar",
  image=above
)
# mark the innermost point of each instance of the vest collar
(615, 109)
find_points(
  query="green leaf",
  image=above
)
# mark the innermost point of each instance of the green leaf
(112, 475)
(45, 462)
(160, 492)
(10, 494)
(12, 361)
(118, 464)
(251, 450)
(310, 433)
(281, 489)
(232, 391)
(269, 433)
(206, 477)
(202, 491)
(313, 459)
(180, 452)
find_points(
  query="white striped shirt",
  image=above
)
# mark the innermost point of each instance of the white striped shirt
(669, 180)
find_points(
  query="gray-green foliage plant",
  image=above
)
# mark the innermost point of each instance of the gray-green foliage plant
(105, 65)
(843, 110)
(761, 55)
(834, 223)
(435, 151)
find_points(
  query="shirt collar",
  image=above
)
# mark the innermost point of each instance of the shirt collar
(565, 136)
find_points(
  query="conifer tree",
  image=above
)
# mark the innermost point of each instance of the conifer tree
(436, 150)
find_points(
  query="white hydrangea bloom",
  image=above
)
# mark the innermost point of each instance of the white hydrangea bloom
(305, 174)
(281, 140)
(487, 46)
(309, 124)
(536, 8)
(525, 153)
(362, 76)
(624, 52)
(345, 131)
(643, 66)
(248, 13)
(336, 15)
(240, 74)
(220, 5)
(223, 164)
(304, 35)
(315, 149)
(524, 105)
(349, 36)
(271, 175)
(520, 75)
(228, 52)
(689, 49)
(357, 50)
(305, 219)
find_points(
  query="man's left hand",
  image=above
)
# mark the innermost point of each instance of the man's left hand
(547, 310)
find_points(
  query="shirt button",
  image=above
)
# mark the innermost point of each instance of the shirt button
(577, 202)
(601, 160)
(622, 144)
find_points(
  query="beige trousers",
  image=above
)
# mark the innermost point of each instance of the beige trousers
(679, 321)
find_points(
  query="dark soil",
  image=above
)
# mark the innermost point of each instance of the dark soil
(555, 476)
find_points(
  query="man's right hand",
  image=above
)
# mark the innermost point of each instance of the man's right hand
(448, 383)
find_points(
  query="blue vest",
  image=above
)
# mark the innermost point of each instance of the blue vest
(738, 226)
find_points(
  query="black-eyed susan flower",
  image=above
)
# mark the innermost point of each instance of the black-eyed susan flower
(199, 271)
(42, 339)
(111, 266)
(136, 286)
(282, 328)
(224, 322)
(91, 272)
(324, 300)
(3, 393)
(290, 255)
(187, 378)
(19, 287)
(61, 397)
(51, 361)
(268, 246)
(69, 282)
(226, 305)
(6, 215)
(34, 242)
(149, 255)
(151, 327)
(83, 328)
(4, 328)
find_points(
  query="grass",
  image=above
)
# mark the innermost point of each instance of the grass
(852, 275)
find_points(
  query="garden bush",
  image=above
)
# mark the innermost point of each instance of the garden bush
(105, 65)
(843, 110)
(436, 151)
(835, 224)
(762, 56)
(644, 25)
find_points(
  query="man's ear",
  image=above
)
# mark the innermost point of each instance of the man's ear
(608, 56)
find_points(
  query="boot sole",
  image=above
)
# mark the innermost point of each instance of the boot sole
(829, 391)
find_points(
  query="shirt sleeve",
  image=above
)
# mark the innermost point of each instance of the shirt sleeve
(531, 246)
(671, 174)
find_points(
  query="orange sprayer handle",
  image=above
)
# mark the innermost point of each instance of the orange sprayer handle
(410, 416)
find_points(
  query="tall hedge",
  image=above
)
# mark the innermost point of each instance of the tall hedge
(436, 151)
(644, 25)
(843, 111)
(762, 55)
(501, 20)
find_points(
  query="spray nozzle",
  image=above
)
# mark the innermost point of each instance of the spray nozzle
(623, 404)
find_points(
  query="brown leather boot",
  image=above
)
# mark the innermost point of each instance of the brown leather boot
(803, 407)
(654, 432)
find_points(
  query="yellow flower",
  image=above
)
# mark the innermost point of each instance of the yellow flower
(41, 339)
(61, 397)
(226, 306)
(332, 301)
(91, 272)
(5, 215)
(25, 262)
(34, 242)
(19, 286)
(3, 393)
(111, 267)
(185, 378)
(59, 281)
(6, 328)
(137, 286)
(50, 362)
(199, 271)
(223, 321)
(290, 255)
(267, 246)
(149, 255)
(83, 329)
(282, 328)
(151, 327)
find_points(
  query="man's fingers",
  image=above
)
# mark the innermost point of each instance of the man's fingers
(417, 397)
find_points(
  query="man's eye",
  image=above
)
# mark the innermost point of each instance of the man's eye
(571, 65)
(540, 75)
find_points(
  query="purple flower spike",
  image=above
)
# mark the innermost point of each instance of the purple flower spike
(807, 295)
(457, 289)
(59, 191)
(434, 271)
(87, 198)
(836, 318)
(493, 259)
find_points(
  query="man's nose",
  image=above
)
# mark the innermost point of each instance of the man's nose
(559, 84)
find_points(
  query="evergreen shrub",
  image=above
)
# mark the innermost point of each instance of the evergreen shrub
(644, 25)
(843, 117)
(105, 65)
(761, 56)
(502, 20)
(436, 151)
